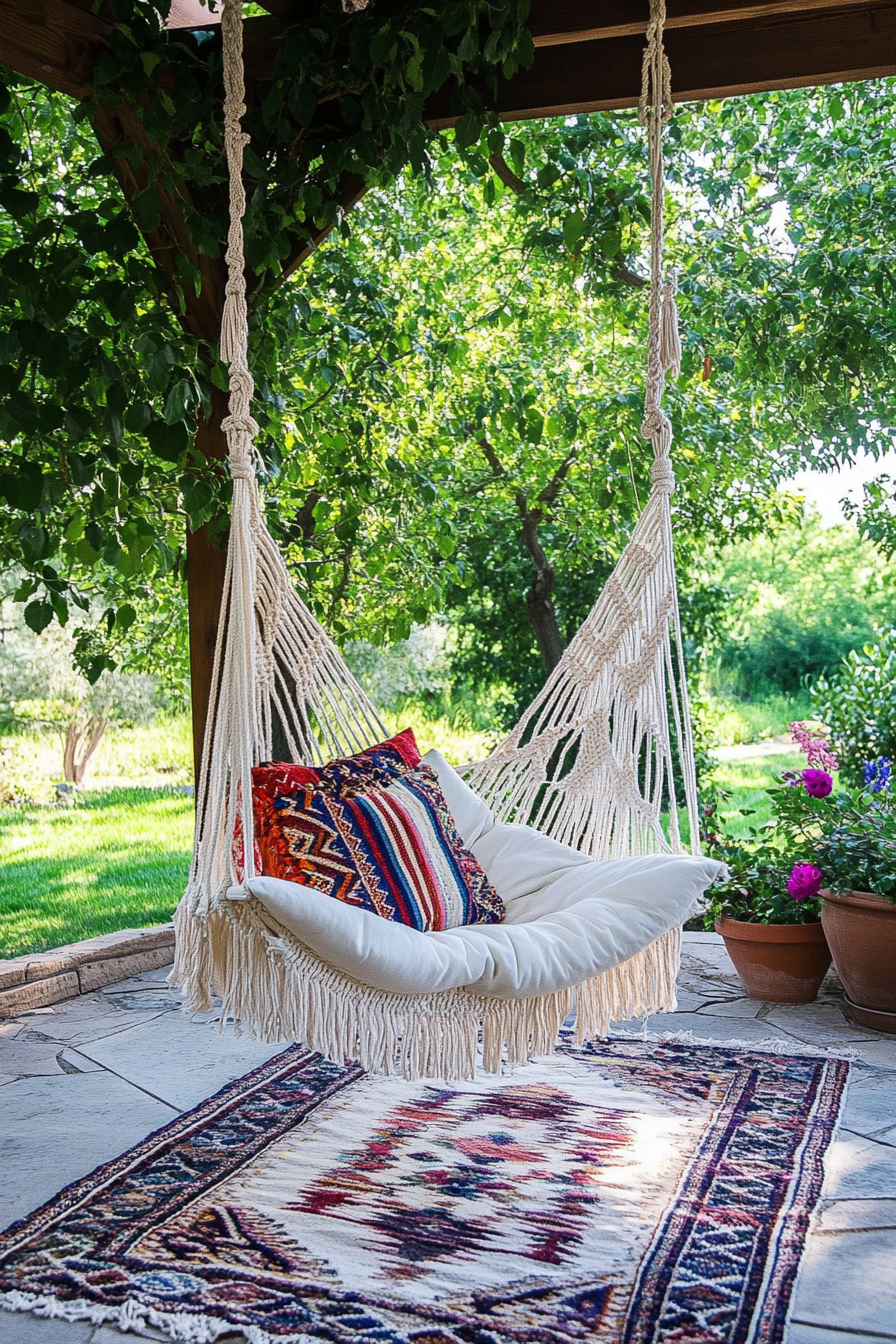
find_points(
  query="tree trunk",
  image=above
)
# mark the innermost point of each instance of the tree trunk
(74, 767)
(206, 564)
(539, 599)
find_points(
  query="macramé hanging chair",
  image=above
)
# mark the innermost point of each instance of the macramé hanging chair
(585, 775)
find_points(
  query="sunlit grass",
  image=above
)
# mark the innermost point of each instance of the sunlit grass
(731, 721)
(746, 781)
(117, 859)
(457, 745)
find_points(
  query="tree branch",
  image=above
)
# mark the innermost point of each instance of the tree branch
(504, 171)
(552, 489)
(491, 457)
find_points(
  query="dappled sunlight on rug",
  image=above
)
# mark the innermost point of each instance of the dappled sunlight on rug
(637, 1192)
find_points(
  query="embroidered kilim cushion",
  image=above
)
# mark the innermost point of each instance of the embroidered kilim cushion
(372, 830)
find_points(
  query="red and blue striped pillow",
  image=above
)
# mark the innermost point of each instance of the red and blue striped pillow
(372, 830)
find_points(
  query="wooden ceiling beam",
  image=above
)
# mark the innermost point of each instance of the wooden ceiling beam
(566, 21)
(588, 53)
(789, 50)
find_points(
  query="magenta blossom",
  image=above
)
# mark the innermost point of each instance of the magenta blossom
(818, 783)
(804, 882)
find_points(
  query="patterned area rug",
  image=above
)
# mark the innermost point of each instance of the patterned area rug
(633, 1193)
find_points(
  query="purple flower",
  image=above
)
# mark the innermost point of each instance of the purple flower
(804, 882)
(818, 749)
(818, 783)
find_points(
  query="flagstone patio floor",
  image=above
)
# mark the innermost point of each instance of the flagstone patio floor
(84, 1080)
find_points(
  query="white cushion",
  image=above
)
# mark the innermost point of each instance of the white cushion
(472, 816)
(568, 918)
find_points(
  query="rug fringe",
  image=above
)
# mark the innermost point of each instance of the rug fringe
(136, 1318)
(272, 985)
(769, 1045)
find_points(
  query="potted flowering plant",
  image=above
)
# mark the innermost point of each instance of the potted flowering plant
(850, 837)
(768, 911)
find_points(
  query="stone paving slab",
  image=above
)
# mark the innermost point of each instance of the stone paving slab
(81, 1081)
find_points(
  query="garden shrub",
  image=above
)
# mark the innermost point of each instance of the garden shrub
(857, 706)
(782, 650)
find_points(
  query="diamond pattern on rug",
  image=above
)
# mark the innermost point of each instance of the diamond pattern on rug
(637, 1192)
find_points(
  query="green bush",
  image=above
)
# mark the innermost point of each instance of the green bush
(783, 650)
(858, 706)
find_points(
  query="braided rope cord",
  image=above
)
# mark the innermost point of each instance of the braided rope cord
(590, 762)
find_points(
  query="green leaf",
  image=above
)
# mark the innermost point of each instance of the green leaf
(303, 102)
(145, 205)
(573, 228)
(125, 617)
(38, 616)
(169, 442)
(467, 130)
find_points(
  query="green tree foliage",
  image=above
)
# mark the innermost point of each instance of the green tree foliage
(796, 602)
(789, 243)
(464, 363)
(108, 356)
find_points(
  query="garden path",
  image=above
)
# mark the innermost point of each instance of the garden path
(84, 1080)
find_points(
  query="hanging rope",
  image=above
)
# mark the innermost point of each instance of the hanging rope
(568, 765)
(239, 425)
(663, 346)
(590, 762)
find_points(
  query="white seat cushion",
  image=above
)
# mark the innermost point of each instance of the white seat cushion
(588, 918)
(568, 917)
(472, 815)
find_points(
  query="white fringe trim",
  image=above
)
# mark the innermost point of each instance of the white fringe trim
(769, 1045)
(273, 985)
(138, 1317)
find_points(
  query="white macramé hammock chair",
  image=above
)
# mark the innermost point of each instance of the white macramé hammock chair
(590, 763)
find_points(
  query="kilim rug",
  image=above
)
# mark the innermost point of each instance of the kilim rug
(632, 1193)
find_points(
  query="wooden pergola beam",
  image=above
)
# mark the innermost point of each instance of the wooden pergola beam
(587, 51)
(781, 49)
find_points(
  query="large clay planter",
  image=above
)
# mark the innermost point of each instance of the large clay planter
(778, 963)
(861, 930)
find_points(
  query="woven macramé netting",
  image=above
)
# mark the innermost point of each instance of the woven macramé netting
(590, 762)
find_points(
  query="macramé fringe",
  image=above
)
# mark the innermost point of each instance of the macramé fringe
(277, 989)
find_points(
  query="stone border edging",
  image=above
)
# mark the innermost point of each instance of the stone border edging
(42, 978)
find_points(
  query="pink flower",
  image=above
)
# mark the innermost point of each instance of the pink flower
(818, 783)
(818, 749)
(804, 882)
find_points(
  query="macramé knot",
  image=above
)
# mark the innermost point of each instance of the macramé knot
(241, 465)
(655, 422)
(240, 424)
(662, 475)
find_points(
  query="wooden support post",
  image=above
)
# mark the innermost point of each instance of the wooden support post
(206, 563)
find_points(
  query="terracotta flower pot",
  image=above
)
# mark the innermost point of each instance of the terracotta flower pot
(779, 963)
(861, 930)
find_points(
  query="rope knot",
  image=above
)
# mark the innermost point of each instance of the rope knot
(240, 424)
(656, 421)
(241, 468)
(663, 476)
(670, 340)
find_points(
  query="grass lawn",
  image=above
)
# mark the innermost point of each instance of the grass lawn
(746, 782)
(118, 859)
